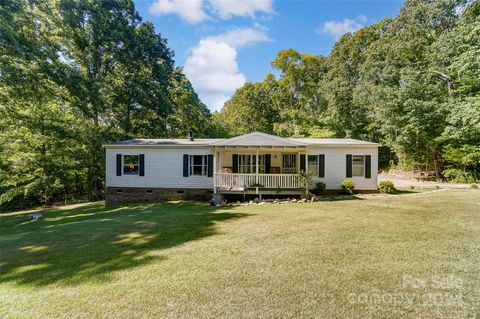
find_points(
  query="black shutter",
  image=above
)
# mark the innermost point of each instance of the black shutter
(302, 163)
(141, 163)
(321, 165)
(235, 163)
(185, 165)
(349, 165)
(119, 164)
(368, 166)
(210, 165)
(268, 163)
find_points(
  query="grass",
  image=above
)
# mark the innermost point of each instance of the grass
(394, 256)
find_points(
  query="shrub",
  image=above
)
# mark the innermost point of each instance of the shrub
(474, 186)
(412, 186)
(460, 176)
(386, 187)
(319, 187)
(348, 186)
(306, 181)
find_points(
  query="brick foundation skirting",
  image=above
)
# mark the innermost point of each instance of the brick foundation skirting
(125, 195)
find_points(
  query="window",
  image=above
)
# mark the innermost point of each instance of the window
(313, 165)
(358, 165)
(198, 165)
(244, 163)
(130, 164)
(289, 163)
(247, 164)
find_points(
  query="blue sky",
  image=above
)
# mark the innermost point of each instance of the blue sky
(223, 43)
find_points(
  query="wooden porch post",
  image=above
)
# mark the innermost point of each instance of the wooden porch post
(214, 171)
(256, 168)
(298, 162)
(306, 161)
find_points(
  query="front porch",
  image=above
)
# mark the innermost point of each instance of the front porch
(257, 171)
(235, 182)
(259, 163)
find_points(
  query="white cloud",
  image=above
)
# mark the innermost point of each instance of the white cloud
(228, 8)
(193, 11)
(336, 29)
(190, 11)
(242, 37)
(212, 64)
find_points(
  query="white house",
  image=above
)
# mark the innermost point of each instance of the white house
(255, 163)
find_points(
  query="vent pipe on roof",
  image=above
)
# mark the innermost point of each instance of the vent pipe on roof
(190, 135)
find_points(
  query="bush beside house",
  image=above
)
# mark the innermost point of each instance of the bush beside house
(386, 187)
(348, 186)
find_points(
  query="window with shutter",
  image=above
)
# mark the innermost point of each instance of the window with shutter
(321, 165)
(119, 164)
(130, 164)
(313, 165)
(368, 166)
(349, 165)
(358, 165)
(142, 165)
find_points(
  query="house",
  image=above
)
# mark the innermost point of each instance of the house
(256, 163)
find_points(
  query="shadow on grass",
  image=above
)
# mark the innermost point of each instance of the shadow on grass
(404, 192)
(90, 241)
(336, 198)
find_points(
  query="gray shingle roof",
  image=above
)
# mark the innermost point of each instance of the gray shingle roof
(166, 142)
(333, 141)
(251, 139)
(258, 139)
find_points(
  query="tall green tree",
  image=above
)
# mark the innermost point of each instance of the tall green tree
(252, 108)
(299, 92)
(459, 60)
(73, 76)
(188, 111)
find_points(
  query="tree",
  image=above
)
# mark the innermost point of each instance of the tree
(411, 83)
(250, 109)
(188, 111)
(299, 97)
(37, 133)
(73, 76)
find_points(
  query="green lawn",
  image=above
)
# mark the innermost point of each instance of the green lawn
(397, 256)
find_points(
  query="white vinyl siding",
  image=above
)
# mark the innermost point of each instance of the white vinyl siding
(163, 168)
(335, 166)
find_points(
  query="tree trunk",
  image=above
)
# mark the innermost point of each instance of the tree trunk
(45, 173)
(96, 158)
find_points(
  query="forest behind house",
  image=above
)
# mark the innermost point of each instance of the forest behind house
(75, 75)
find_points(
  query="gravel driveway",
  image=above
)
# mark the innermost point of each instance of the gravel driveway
(404, 182)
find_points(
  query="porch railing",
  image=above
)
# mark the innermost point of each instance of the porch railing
(234, 180)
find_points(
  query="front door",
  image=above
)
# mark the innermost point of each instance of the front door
(289, 163)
